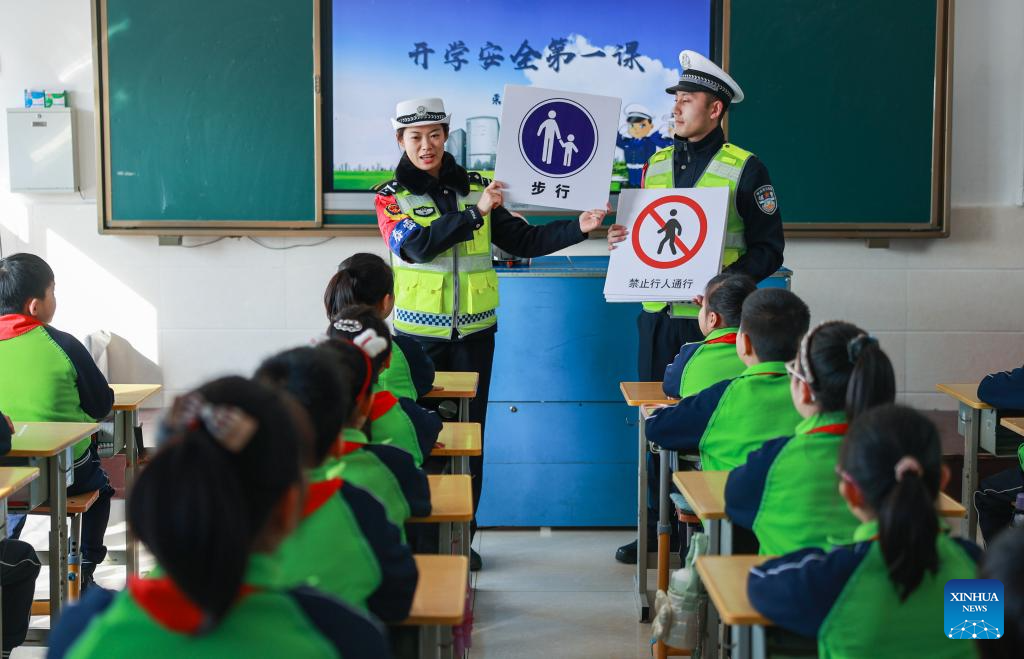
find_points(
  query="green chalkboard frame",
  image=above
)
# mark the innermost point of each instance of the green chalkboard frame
(311, 217)
(936, 223)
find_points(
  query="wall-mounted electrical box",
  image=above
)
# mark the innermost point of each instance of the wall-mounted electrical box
(41, 148)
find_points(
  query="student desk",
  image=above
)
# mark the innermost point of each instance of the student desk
(725, 579)
(461, 385)
(12, 479)
(128, 398)
(969, 422)
(639, 394)
(52, 442)
(1016, 425)
(440, 601)
(460, 442)
(451, 502)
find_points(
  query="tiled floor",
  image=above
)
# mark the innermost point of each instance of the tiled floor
(555, 593)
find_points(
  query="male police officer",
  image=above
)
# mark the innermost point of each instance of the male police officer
(701, 158)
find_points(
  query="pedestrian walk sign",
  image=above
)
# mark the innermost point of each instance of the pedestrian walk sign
(675, 243)
(555, 148)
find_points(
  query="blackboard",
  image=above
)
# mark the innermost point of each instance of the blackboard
(847, 103)
(209, 113)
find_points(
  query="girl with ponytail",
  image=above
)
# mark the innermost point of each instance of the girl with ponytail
(392, 420)
(786, 492)
(366, 279)
(383, 467)
(882, 596)
(212, 506)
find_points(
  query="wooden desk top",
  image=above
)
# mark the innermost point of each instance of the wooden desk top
(1016, 425)
(458, 439)
(13, 479)
(704, 491)
(645, 393)
(43, 440)
(451, 500)
(454, 384)
(128, 397)
(725, 578)
(964, 393)
(440, 597)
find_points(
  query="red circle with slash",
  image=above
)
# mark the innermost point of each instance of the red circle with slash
(652, 211)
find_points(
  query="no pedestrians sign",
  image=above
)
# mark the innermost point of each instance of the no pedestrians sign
(674, 247)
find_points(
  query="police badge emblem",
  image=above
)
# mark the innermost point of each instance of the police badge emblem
(765, 198)
(423, 211)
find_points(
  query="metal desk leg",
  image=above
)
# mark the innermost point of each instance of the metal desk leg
(464, 410)
(710, 650)
(725, 537)
(58, 497)
(665, 463)
(3, 530)
(742, 641)
(643, 601)
(758, 645)
(971, 419)
(124, 425)
(429, 636)
(444, 539)
(460, 465)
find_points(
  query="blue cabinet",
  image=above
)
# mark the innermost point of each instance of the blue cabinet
(560, 443)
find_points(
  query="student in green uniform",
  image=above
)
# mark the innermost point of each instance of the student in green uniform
(786, 492)
(883, 595)
(730, 419)
(1004, 560)
(368, 279)
(703, 363)
(385, 471)
(408, 427)
(48, 375)
(212, 506)
(344, 546)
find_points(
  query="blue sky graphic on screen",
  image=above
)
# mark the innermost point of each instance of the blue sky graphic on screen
(558, 137)
(466, 52)
(973, 609)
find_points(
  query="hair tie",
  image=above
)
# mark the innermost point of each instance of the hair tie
(857, 344)
(230, 426)
(371, 343)
(906, 464)
(348, 325)
(804, 355)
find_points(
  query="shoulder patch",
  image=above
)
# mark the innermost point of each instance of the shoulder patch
(387, 188)
(765, 198)
(479, 179)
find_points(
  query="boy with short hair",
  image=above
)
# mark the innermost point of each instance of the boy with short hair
(50, 376)
(703, 363)
(734, 417)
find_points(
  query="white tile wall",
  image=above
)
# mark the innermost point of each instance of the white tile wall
(945, 310)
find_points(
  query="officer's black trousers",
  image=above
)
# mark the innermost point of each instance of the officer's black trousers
(476, 354)
(660, 338)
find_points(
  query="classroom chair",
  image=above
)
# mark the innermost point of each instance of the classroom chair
(78, 505)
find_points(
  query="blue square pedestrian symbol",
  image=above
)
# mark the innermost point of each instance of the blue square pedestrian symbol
(973, 609)
(558, 137)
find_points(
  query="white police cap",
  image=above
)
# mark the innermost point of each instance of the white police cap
(637, 111)
(420, 112)
(702, 75)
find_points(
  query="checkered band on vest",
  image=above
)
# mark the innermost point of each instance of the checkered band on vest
(440, 320)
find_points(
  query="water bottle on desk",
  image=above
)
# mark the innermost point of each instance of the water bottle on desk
(1018, 512)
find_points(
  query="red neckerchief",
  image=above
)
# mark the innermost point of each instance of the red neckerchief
(725, 338)
(382, 403)
(340, 448)
(15, 324)
(318, 494)
(833, 429)
(163, 601)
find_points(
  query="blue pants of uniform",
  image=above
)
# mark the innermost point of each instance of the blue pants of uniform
(995, 500)
(89, 476)
(20, 569)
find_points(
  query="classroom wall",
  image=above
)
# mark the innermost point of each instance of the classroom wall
(193, 313)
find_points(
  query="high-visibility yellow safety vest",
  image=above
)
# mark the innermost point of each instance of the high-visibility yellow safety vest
(724, 170)
(458, 289)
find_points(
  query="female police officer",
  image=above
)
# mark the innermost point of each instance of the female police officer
(439, 222)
